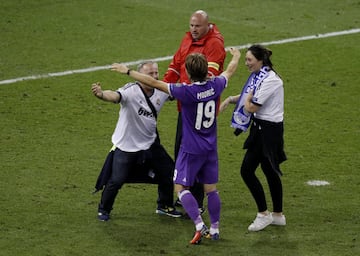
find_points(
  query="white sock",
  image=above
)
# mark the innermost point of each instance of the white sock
(214, 231)
(199, 226)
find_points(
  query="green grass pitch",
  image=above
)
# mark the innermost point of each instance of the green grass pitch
(55, 134)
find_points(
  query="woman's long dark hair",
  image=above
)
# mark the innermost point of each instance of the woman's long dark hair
(262, 53)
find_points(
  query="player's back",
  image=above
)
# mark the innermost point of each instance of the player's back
(199, 103)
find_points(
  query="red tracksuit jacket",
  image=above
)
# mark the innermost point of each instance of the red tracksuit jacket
(211, 45)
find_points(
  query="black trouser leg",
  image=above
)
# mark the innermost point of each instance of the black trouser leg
(178, 136)
(248, 168)
(275, 185)
(198, 192)
(163, 166)
(122, 163)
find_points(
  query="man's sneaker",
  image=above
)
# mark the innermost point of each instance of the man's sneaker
(178, 203)
(103, 216)
(278, 220)
(199, 234)
(169, 211)
(261, 221)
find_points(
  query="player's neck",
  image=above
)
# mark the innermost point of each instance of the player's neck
(148, 91)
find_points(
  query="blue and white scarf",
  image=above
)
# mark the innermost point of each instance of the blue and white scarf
(241, 119)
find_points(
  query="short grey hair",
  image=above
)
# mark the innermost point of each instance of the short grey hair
(139, 67)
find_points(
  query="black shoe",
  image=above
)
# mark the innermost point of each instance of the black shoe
(169, 211)
(178, 203)
(103, 216)
(202, 210)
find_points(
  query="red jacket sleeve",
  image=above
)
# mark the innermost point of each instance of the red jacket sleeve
(173, 72)
(215, 54)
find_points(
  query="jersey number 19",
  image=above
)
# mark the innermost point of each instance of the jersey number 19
(206, 113)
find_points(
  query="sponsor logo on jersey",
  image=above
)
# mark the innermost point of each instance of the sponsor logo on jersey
(144, 112)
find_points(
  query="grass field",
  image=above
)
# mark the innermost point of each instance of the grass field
(55, 134)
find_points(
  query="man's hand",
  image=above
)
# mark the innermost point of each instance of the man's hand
(232, 66)
(96, 90)
(121, 68)
(235, 52)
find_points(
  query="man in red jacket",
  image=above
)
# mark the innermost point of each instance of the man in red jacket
(203, 37)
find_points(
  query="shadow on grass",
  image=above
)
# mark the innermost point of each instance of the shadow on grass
(274, 239)
(136, 234)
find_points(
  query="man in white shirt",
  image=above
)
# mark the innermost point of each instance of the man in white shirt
(136, 142)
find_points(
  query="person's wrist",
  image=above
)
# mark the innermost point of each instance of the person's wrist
(231, 99)
(101, 96)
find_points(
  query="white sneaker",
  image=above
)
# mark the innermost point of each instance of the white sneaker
(278, 220)
(261, 221)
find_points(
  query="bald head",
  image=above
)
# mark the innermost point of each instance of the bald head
(202, 13)
(199, 24)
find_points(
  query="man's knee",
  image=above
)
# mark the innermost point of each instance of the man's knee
(208, 188)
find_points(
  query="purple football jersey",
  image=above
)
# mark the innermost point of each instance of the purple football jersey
(198, 109)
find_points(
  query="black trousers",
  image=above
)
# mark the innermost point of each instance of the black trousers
(150, 166)
(198, 189)
(254, 157)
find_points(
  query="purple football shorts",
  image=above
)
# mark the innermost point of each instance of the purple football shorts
(193, 167)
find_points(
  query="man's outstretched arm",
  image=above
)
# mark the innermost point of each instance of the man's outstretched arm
(146, 79)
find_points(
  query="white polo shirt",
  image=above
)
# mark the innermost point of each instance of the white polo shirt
(270, 96)
(136, 126)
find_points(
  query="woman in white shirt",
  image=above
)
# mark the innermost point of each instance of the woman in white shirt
(265, 143)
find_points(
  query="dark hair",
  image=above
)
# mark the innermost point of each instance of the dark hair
(196, 66)
(261, 53)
